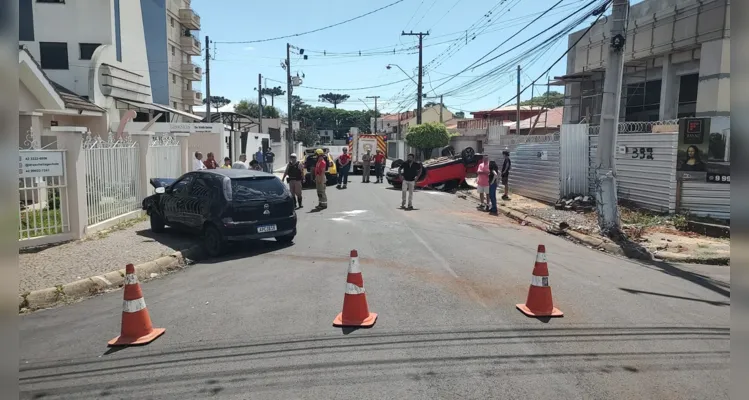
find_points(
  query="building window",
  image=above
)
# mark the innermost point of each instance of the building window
(643, 101)
(117, 31)
(87, 50)
(51, 1)
(26, 21)
(174, 78)
(173, 52)
(171, 21)
(688, 85)
(54, 55)
(174, 105)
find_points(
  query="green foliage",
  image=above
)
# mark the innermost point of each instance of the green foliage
(217, 101)
(427, 137)
(460, 114)
(333, 98)
(555, 99)
(251, 109)
(307, 136)
(298, 105)
(337, 120)
(430, 104)
(272, 92)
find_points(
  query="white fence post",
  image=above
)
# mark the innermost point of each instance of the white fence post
(184, 149)
(75, 171)
(143, 141)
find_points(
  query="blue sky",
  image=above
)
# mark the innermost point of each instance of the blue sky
(236, 66)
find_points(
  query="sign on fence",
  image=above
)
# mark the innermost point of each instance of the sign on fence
(39, 163)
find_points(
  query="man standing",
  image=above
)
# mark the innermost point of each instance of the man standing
(482, 183)
(366, 161)
(260, 158)
(379, 160)
(295, 172)
(242, 159)
(197, 162)
(270, 156)
(210, 162)
(409, 172)
(344, 166)
(506, 165)
(320, 182)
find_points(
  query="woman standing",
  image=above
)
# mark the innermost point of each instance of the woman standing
(493, 180)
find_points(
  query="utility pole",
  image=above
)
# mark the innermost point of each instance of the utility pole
(608, 213)
(260, 102)
(546, 104)
(375, 111)
(421, 53)
(442, 105)
(207, 79)
(517, 118)
(290, 133)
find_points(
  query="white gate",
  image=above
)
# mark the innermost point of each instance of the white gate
(165, 157)
(43, 191)
(112, 175)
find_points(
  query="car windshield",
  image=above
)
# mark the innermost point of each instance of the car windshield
(251, 189)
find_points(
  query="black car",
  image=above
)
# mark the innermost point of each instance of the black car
(224, 205)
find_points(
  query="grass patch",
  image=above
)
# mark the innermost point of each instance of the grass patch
(35, 223)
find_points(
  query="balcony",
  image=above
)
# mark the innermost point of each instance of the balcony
(190, 45)
(192, 72)
(192, 97)
(189, 19)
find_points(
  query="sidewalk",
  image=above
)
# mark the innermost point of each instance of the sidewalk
(129, 243)
(655, 234)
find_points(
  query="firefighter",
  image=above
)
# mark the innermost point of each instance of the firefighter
(366, 165)
(320, 180)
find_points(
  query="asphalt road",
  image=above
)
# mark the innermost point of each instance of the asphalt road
(444, 279)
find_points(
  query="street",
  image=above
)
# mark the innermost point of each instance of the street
(444, 279)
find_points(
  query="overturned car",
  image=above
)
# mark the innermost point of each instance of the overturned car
(444, 173)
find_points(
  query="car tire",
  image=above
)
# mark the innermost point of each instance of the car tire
(157, 223)
(397, 163)
(398, 185)
(213, 241)
(467, 155)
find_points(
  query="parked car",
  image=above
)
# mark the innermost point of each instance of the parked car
(445, 173)
(224, 205)
(331, 175)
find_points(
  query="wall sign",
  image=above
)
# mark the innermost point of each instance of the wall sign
(718, 178)
(693, 148)
(39, 163)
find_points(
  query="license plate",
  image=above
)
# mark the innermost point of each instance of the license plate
(266, 228)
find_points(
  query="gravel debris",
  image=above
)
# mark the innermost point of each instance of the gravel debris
(68, 262)
(581, 222)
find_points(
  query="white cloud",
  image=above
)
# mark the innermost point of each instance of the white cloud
(249, 48)
(201, 108)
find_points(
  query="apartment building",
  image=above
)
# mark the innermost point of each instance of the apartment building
(98, 51)
(173, 51)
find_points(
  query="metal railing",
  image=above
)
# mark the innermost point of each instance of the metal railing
(112, 177)
(165, 157)
(43, 204)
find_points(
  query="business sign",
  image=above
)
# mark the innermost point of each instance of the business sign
(175, 127)
(39, 163)
(702, 153)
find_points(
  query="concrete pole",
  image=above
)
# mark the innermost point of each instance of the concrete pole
(606, 197)
(290, 134)
(260, 102)
(207, 79)
(442, 105)
(517, 118)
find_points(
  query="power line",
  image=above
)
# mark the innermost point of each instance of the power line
(314, 30)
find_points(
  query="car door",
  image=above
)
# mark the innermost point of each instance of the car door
(174, 200)
(198, 203)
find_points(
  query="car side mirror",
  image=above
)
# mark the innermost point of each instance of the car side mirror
(160, 190)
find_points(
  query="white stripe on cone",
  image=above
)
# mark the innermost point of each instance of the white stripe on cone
(541, 281)
(131, 306)
(353, 289)
(540, 257)
(354, 267)
(131, 279)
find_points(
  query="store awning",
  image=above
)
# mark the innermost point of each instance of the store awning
(180, 112)
(134, 105)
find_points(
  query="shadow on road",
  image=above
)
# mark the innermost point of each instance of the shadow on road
(671, 296)
(172, 238)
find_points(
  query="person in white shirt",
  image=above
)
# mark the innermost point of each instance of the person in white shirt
(197, 162)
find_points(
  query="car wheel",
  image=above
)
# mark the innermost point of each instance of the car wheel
(397, 185)
(157, 223)
(396, 164)
(467, 155)
(213, 241)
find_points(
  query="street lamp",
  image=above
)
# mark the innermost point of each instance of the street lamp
(389, 66)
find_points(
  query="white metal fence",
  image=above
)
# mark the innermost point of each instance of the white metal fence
(112, 177)
(573, 142)
(43, 195)
(165, 157)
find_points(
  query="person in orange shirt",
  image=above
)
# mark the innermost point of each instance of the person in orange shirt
(320, 180)
(379, 160)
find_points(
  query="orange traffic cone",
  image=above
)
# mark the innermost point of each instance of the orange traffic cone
(539, 303)
(355, 309)
(136, 323)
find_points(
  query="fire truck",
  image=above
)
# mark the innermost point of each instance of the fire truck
(358, 145)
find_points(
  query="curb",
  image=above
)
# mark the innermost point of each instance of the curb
(83, 288)
(601, 244)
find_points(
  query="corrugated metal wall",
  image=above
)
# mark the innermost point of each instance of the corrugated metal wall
(535, 166)
(649, 183)
(706, 199)
(574, 159)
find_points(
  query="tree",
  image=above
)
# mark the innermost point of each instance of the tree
(555, 99)
(251, 109)
(459, 114)
(217, 101)
(333, 98)
(430, 104)
(427, 137)
(307, 136)
(272, 92)
(298, 105)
